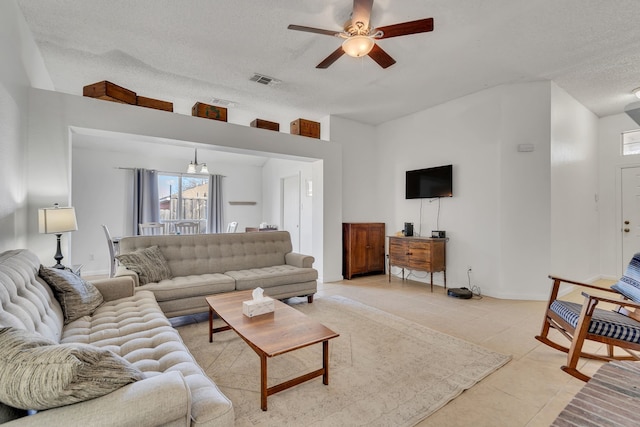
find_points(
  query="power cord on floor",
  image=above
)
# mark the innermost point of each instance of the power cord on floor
(475, 290)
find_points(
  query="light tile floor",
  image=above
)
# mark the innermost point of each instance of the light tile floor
(530, 391)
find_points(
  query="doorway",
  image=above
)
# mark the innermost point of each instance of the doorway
(291, 209)
(630, 221)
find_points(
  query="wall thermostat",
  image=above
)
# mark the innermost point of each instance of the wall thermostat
(440, 234)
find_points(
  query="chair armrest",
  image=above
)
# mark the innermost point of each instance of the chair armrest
(621, 302)
(153, 401)
(124, 271)
(299, 260)
(115, 288)
(554, 278)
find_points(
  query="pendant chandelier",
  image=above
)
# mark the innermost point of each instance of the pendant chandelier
(195, 167)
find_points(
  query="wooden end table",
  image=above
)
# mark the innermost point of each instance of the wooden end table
(271, 334)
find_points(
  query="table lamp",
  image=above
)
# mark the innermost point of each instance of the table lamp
(57, 220)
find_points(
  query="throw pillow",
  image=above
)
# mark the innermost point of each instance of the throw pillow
(76, 296)
(629, 284)
(40, 374)
(148, 263)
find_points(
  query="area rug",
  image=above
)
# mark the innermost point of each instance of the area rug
(384, 370)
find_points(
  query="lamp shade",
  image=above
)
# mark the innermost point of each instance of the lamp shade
(57, 220)
(358, 46)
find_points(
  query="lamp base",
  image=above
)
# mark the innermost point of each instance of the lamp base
(58, 256)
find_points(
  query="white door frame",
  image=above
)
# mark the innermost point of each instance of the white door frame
(298, 177)
(621, 264)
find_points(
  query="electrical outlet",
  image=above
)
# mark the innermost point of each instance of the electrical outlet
(92, 257)
(468, 269)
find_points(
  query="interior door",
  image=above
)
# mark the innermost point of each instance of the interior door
(630, 214)
(291, 209)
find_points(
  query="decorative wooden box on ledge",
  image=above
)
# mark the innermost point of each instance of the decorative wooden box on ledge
(207, 111)
(154, 103)
(110, 92)
(305, 128)
(265, 124)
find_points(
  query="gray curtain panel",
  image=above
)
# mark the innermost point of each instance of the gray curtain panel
(146, 206)
(215, 217)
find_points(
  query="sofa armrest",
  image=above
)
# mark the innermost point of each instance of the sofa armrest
(162, 399)
(299, 260)
(115, 288)
(125, 272)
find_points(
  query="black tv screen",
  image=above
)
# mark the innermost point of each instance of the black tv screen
(430, 182)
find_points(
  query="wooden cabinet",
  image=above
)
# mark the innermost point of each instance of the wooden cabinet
(418, 253)
(363, 248)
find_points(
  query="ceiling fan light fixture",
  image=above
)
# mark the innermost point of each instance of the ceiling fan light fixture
(358, 45)
(636, 92)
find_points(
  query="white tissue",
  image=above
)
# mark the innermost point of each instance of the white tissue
(258, 305)
(257, 294)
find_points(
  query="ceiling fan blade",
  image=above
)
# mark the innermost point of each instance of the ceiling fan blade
(331, 58)
(406, 28)
(381, 57)
(313, 30)
(362, 12)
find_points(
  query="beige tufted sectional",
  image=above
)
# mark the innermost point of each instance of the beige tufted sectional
(175, 391)
(207, 264)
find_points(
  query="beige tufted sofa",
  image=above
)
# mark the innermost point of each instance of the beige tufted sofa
(207, 264)
(175, 391)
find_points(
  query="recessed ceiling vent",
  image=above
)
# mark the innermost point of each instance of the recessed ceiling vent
(265, 80)
(223, 102)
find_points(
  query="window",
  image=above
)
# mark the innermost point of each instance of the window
(183, 197)
(631, 143)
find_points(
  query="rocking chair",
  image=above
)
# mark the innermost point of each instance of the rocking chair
(615, 328)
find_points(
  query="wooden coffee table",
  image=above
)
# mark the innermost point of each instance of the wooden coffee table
(272, 334)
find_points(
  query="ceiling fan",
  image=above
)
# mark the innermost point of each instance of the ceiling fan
(360, 38)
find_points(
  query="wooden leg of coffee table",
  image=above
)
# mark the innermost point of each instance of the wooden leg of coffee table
(210, 324)
(263, 382)
(325, 362)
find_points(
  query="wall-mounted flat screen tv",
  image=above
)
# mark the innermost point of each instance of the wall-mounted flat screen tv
(429, 183)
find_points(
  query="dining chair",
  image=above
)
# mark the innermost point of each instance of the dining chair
(151, 228)
(617, 328)
(187, 227)
(232, 227)
(112, 251)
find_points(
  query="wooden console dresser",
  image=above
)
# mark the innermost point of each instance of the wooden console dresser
(418, 253)
(363, 248)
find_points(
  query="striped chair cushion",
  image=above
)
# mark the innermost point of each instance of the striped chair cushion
(629, 284)
(604, 323)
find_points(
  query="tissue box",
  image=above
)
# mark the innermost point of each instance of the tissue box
(253, 308)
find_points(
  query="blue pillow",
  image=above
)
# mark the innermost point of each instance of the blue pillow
(629, 284)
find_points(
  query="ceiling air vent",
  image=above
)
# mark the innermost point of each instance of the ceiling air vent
(265, 80)
(223, 102)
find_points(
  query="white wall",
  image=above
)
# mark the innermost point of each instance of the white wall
(574, 188)
(273, 172)
(498, 221)
(101, 194)
(610, 163)
(21, 66)
(53, 114)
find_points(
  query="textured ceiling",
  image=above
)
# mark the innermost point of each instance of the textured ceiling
(198, 50)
